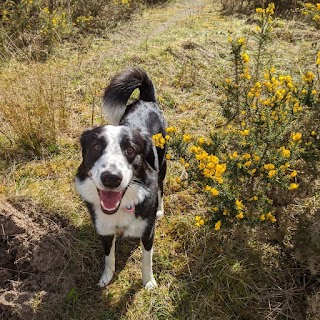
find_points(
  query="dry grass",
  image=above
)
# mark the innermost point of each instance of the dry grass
(234, 274)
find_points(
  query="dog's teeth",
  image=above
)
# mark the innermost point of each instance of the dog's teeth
(108, 209)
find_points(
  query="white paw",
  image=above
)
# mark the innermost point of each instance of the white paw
(105, 280)
(150, 285)
(160, 214)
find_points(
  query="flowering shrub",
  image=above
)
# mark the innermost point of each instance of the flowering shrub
(269, 146)
(283, 6)
(312, 12)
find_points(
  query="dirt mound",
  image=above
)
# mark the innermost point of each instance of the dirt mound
(34, 255)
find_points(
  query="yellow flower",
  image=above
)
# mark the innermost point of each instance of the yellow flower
(199, 221)
(201, 141)
(285, 152)
(293, 174)
(255, 198)
(308, 77)
(246, 156)
(239, 205)
(296, 136)
(262, 217)
(248, 163)
(245, 132)
(158, 140)
(217, 225)
(270, 217)
(269, 166)
(318, 55)
(260, 10)
(240, 215)
(186, 137)
(171, 129)
(214, 192)
(270, 8)
(253, 171)
(241, 41)
(168, 156)
(293, 186)
(313, 133)
(272, 173)
(245, 58)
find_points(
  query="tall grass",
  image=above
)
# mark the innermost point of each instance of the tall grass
(33, 108)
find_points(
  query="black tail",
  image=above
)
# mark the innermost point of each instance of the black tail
(119, 90)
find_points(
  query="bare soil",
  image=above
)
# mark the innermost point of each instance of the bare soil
(34, 255)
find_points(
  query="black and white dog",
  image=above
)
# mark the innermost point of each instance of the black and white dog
(121, 174)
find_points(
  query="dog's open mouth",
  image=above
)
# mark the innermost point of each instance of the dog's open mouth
(110, 200)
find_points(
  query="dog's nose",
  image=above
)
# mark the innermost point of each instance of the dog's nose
(111, 179)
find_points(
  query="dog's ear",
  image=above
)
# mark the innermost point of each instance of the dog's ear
(83, 141)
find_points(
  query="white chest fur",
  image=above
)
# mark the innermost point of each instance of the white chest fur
(127, 222)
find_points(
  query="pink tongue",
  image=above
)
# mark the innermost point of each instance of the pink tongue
(110, 199)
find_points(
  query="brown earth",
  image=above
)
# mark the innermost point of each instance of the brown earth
(34, 255)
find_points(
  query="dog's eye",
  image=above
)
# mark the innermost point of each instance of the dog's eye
(97, 147)
(130, 150)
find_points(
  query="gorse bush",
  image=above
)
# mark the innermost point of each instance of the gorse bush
(269, 148)
(248, 6)
(312, 12)
(32, 28)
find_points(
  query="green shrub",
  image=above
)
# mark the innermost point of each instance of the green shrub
(269, 148)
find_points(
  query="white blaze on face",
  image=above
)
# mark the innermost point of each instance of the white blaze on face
(112, 160)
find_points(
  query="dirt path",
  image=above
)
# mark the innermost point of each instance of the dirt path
(152, 23)
(139, 34)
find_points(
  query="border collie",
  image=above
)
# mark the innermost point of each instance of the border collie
(122, 172)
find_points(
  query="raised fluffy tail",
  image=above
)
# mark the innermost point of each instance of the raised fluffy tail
(119, 90)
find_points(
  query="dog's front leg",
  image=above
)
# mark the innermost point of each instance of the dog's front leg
(147, 273)
(108, 243)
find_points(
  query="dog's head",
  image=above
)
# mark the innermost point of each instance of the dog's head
(114, 157)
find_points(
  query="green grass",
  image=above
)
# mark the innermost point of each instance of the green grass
(234, 274)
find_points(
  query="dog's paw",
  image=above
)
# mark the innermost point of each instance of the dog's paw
(105, 280)
(150, 285)
(160, 214)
